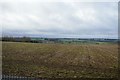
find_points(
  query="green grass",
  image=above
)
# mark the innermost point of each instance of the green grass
(59, 60)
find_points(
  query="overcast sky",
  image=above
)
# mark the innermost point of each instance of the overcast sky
(60, 19)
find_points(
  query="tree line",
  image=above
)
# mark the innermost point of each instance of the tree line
(28, 39)
(16, 39)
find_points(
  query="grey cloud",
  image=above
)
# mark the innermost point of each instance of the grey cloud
(53, 19)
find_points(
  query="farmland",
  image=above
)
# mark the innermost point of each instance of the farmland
(60, 60)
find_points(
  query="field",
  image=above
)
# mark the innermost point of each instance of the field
(60, 60)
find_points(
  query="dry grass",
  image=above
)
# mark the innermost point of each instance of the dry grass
(60, 60)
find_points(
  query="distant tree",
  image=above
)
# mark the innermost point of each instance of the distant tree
(26, 39)
(69, 42)
(16, 39)
(46, 39)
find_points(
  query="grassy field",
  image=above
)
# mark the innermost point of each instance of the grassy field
(60, 60)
